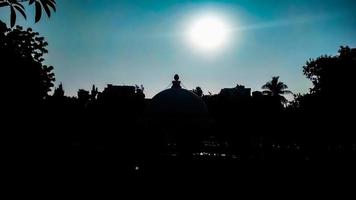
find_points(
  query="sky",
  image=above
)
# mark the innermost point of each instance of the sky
(128, 42)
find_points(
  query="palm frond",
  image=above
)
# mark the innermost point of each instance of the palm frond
(17, 5)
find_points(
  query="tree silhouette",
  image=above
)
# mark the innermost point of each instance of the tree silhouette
(93, 93)
(276, 89)
(83, 96)
(198, 91)
(17, 5)
(59, 91)
(331, 73)
(21, 53)
(140, 91)
(332, 78)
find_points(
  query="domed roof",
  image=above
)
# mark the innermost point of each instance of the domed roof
(177, 101)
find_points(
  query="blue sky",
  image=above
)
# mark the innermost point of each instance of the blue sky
(141, 42)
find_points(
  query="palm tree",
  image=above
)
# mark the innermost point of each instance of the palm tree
(276, 89)
(17, 5)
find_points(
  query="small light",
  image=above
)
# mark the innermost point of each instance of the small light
(137, 168)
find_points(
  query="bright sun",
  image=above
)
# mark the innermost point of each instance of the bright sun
(208, 33)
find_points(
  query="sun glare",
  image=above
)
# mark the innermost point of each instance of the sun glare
(208, 33)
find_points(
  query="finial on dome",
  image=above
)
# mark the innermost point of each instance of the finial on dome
(176, 82)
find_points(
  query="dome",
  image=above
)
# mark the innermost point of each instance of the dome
(177, 118)
(177, 101)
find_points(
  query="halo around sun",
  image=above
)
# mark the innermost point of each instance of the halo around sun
(208, 33)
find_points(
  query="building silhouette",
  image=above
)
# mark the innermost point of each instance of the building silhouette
(178, 119)
(238, 91)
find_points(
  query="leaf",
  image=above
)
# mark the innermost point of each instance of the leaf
(21, 11)
(3, 4)
(38, 11)
(13, 16)
(18, 4)
(52, 4)
(45, 7)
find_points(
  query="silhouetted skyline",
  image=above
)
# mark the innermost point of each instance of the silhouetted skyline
(116, 129)
(122, 42)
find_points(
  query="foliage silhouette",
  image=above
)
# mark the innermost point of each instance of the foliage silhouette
(59, 91)
(326, 109)
(22, 60)
(330, 75)
(17, 5)
(276, 89)
(94, 93)
(198, 91)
